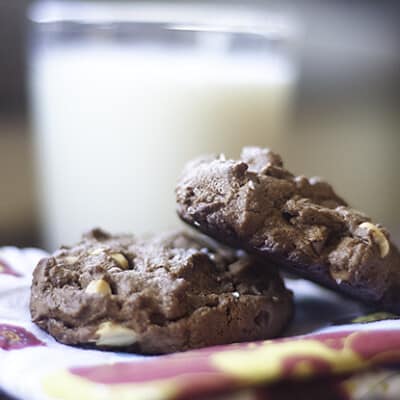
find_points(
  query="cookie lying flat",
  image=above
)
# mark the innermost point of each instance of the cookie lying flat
(256, 204)
(169, 293)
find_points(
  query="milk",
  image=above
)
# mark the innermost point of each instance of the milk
(114, 126)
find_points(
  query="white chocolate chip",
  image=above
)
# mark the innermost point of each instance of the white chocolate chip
(236, 295)
(315, 180)
(70, 260)
(112, 334)
(120, 259)
(240, 265)
(378, 237)
(98, 287)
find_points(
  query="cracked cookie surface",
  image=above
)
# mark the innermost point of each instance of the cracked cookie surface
(171, 292)
(254, 203)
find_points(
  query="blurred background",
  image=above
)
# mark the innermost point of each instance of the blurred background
(94, 126)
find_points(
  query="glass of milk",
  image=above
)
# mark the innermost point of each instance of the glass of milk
(123, 94)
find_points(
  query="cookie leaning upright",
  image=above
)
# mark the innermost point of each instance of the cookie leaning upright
(169, 293)
(256, 204)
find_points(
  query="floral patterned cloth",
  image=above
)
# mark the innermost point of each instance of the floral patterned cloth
(334, 349)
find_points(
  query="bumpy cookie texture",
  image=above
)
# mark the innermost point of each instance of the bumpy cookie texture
(256, 204)
(169, 293)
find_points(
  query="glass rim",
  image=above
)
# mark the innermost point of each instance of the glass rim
(229, 18)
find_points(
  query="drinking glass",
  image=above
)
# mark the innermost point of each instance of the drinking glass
(123, 94)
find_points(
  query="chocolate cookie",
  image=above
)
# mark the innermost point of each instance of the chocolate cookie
(256, 204)
(168, 293)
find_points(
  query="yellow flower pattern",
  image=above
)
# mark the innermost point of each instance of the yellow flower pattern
(228, 368)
